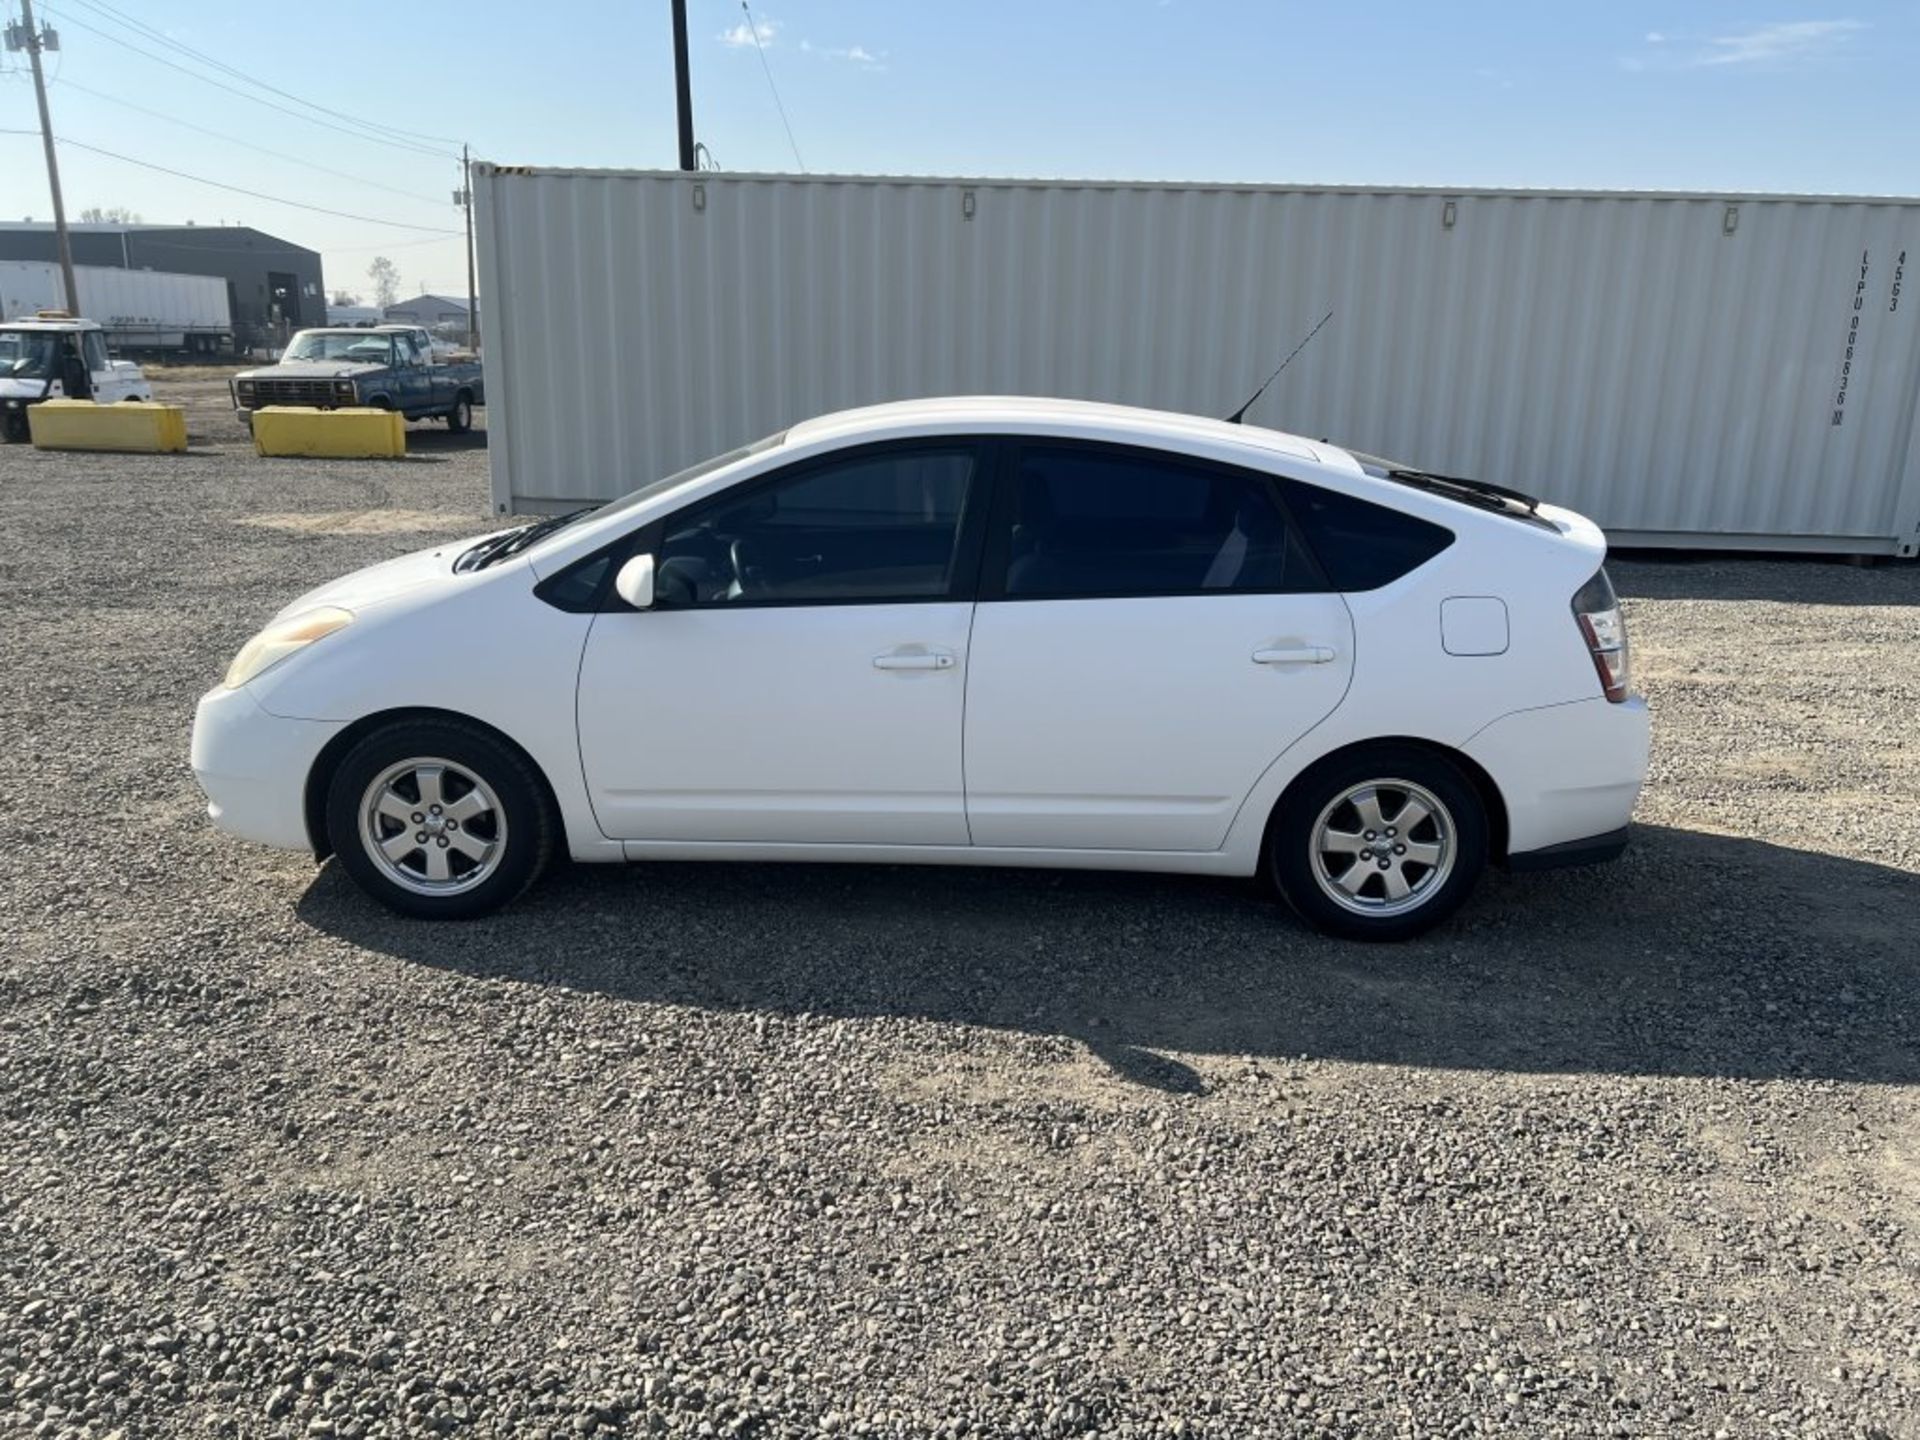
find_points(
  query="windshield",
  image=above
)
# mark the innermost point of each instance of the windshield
(27, 354)
(513, 542)
(636, 498)
(354, 346)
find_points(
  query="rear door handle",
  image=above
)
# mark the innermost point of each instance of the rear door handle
(1294, 655)
(926, 660)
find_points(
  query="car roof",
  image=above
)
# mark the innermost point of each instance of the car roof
(1081, 418)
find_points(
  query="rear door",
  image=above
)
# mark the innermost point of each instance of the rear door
(801, 677)
(1152, 632)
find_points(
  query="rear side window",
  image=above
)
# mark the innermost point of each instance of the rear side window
(1105, 521)
(1359, 544)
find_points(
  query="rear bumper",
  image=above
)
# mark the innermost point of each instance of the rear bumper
(1569, 775)
(1594, 850)
(253, 767)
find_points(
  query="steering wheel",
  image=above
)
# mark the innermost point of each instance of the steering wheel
(748, 576)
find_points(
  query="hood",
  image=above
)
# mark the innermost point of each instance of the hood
(389, 579)
(15, 388)
(310, 370)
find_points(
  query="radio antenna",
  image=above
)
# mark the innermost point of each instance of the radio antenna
(1238, 415)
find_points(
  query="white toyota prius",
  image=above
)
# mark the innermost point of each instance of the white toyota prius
(964, 632)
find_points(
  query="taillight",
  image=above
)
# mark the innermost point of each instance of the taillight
(1597, 609)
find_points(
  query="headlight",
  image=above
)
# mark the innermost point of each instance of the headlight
(343, 387)
(245, 387)
(281, 639)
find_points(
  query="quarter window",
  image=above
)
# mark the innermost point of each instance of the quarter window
(874, 527)
(1093, 521)
(1360, 545)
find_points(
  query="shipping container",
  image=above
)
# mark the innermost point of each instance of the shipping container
(144, 310)
(1726, 371)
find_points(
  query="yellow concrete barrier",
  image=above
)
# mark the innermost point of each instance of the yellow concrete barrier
(355, 434)
(139, 426)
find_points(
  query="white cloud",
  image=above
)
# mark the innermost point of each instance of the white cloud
(742, 35)
(1765, 47)
(853, 54)
(1793, 40)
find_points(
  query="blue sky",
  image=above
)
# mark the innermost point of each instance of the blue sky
(1686, 94)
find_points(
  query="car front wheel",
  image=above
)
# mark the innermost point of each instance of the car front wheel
(460, 418)
(1382, 844)
(439, 819)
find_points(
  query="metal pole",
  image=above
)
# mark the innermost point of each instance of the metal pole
(683, 86)
(64, 240)
(473, 296)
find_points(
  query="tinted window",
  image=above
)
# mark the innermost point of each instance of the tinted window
(1360, 545)
(880, 526)
(1095, 521)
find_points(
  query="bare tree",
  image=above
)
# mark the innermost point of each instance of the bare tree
(385, 276)
(344, 297)
(111, 215)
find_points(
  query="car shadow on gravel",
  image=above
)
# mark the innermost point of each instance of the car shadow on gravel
(1696, 954)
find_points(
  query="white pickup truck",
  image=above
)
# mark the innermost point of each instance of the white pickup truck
(53, 356)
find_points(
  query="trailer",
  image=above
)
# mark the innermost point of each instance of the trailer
(149, 311)
(1728, 371)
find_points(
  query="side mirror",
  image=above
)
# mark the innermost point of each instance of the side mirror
(634, 583)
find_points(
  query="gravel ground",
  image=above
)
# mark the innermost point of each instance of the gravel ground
(753, 1150)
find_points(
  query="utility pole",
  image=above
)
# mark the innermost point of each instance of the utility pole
(473, 294)
(683, 86)
(29, 37)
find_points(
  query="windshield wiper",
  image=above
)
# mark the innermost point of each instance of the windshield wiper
(1475, 492)
(514, 541)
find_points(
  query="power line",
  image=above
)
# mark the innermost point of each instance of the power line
(241, 190)
(248, 144)
(100, 7)
(753, 29)
(256, 99)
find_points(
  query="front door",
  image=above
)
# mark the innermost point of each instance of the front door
(109, 385)
(1151, 635)
(802, 675)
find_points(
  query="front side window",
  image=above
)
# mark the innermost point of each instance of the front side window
(1101, 521)
(96, 344)
(878, 526)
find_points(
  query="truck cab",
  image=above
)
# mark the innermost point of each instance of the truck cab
(385, 367)
(57, 356)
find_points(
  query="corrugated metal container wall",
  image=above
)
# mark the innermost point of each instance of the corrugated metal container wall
(1730, 371)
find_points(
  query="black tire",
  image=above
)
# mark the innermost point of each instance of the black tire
(13, 427)
(1457, 832)
(525, 823)
(460, 417)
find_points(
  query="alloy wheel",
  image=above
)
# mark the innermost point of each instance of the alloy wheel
(1383, 847)
(433, 827)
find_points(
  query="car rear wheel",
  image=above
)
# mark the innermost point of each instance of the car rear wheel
(1382, 844)
(439, 819)
(460, 418)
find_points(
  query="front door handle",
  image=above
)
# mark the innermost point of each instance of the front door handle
(1294, 655)
(915, 660)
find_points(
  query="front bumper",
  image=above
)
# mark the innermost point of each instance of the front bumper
(1569, 774)
(253, 767)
